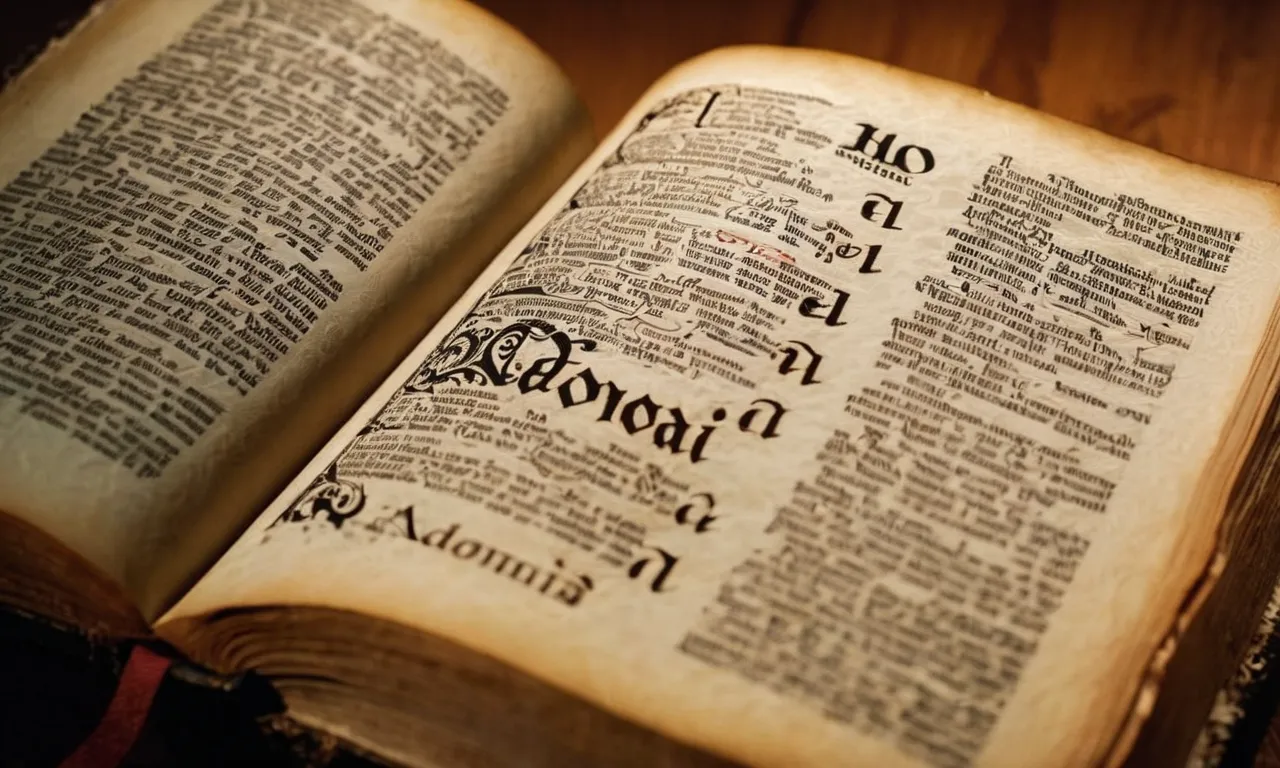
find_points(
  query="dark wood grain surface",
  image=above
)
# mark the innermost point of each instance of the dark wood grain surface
(1196, 78)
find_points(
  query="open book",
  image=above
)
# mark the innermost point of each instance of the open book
(826, 414)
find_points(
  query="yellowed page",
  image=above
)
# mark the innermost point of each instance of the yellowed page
(221, 222)
(830, 415)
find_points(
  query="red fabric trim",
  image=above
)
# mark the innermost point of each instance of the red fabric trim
(116, 732)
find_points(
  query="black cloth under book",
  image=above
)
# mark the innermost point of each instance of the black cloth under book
(56, 683)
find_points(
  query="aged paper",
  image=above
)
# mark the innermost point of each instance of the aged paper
(221, 222)
(828, 415)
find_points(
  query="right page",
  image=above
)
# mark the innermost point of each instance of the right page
(830, 415)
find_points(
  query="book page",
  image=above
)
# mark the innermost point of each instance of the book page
(829, 415)
(222, 222)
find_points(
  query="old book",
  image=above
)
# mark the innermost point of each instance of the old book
(827, 414)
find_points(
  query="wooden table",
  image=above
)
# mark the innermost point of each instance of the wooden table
(1196, 78)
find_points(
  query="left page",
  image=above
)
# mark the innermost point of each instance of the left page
(221, 221)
